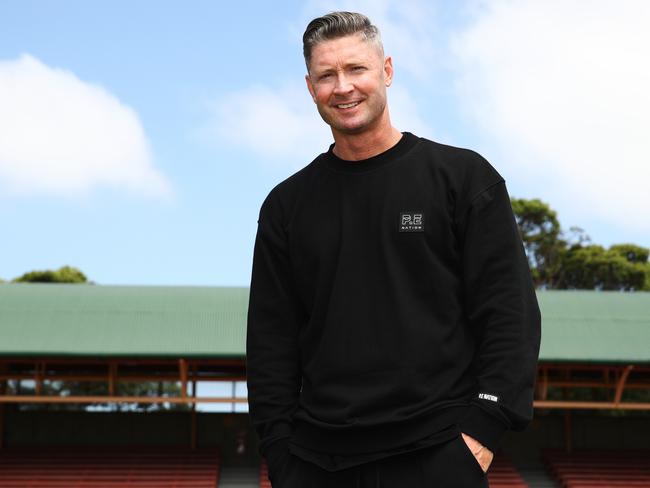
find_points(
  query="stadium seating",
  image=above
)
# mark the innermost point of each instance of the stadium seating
(264, 474)
(108, 468)
(592, 468)
(503, 474)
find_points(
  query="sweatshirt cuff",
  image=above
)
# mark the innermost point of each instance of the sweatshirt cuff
(483, 427)
(276, 454)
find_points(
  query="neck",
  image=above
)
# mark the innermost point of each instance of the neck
(355, 147)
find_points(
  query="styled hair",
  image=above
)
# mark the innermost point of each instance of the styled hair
(335, 25)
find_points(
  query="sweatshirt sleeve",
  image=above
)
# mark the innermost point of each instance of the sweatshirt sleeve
(272, 359)
(502, 310)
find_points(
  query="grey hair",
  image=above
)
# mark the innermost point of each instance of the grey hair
(335, 25)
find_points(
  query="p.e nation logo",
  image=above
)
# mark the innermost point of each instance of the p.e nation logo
(411, 221)
(488, 396)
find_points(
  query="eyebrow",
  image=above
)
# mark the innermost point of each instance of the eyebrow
(327, 67)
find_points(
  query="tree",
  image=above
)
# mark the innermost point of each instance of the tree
(65, 274)
(593, 267)
(631, 252)
(540, 232)
(638, 256)
(646, 286)
(568, 260)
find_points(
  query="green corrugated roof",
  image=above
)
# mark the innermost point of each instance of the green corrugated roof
(593, 326)
(48, 319)
(69, 320)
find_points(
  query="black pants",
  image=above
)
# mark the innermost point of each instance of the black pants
(447, 465)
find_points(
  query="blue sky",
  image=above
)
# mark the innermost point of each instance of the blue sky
(138, 139)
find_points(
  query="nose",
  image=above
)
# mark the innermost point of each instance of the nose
(343, 85)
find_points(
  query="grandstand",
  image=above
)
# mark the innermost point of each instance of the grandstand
(592, 426)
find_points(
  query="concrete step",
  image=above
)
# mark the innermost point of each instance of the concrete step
(537, 477)
(239, 477)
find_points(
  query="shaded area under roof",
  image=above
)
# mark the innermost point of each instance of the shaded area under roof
(210, 322)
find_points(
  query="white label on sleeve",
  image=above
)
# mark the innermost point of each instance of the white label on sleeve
(487, 396)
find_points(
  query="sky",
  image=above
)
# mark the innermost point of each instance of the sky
(139, 139)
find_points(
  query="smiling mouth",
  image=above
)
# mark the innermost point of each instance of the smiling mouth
(348, 105)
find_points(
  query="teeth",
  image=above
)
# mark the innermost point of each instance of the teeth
(348, 105)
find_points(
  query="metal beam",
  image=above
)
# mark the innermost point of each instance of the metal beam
(590, 405)
(126, 377)
(116, 399)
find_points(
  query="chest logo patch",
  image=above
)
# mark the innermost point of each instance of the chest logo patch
(411, 221)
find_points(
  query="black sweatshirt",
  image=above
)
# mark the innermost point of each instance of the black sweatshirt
(391, 305)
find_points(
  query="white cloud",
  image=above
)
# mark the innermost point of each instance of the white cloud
(60, 135)
(404, 113)
(283, 126)
(562, 87)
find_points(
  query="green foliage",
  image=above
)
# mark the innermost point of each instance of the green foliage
(646, 286)
(592, 267)
(540, 230)
(65, 274)
(561, 260)
(631, 252)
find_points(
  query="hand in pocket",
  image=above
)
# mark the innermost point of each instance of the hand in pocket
(481, 453)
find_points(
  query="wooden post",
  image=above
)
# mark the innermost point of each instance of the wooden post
(620, 385)
(543, 384)
(112, 378)
(39, 372)
(193, 433)
(182, 366)
(3, 390)
(2, 425)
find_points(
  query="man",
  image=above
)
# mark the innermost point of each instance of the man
(393, 329)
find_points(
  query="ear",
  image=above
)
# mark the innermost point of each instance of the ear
(388, 71)
(310, 87)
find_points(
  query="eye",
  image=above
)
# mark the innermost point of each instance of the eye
(358, 68)
(325, 76)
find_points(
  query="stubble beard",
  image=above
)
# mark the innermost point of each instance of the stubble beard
(373, 116)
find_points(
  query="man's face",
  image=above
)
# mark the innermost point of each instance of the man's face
(347, 79)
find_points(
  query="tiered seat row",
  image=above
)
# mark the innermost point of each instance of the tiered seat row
(600, 468)
(503, 474)
(264, 474)
(108, 468)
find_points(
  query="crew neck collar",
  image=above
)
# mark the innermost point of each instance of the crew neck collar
(406, 142)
